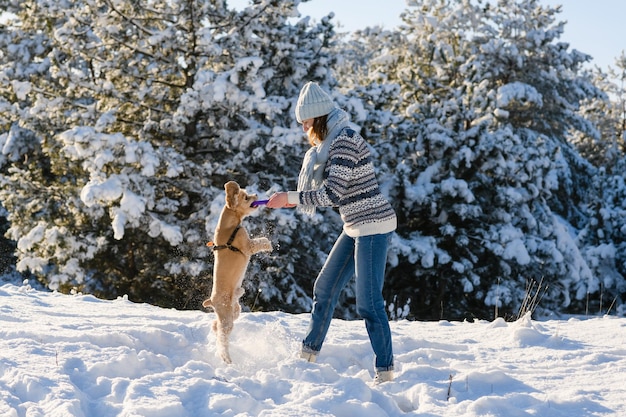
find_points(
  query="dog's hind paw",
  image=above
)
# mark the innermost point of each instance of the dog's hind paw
(222, 352)
(226, 358)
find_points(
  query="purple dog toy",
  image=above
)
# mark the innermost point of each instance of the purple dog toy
(259, 203)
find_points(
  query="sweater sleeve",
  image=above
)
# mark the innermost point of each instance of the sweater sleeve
(342, 158)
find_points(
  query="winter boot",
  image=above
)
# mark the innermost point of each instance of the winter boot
(308, 356)
(383, 376)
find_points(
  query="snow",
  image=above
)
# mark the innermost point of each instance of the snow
(76, 355)
(21, 89)
(519, 93)
(109, 190)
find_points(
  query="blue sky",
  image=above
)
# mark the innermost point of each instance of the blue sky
(594, 27)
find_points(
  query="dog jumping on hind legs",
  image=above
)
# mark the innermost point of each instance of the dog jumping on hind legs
(232, 249)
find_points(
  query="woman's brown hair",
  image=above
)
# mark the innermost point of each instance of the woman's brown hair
(319, 130)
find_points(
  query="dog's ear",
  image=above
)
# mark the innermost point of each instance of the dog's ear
(232, 194)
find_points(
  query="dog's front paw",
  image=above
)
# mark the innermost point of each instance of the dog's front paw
(262, 244)
(267, 245)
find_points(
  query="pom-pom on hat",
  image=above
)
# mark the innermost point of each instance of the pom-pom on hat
(313, 102)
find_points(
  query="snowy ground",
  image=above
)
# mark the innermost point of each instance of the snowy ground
(63, 356)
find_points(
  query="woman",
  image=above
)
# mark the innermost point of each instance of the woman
(337, 171)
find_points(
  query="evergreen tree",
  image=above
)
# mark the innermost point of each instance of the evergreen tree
(125, 120)
(487, 95)
(603, 238)
(603, 243)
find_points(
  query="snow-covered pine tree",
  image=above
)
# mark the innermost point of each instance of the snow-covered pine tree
(126, 119)
(488, 94)
(88, 210)
(602, 239)
(545, 65)
(602, 242)
(605, 146)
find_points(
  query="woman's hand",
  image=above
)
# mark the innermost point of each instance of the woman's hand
(279, 200)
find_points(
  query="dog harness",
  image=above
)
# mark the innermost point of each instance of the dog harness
(229, 244)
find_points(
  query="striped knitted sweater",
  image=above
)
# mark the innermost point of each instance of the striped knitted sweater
(350, 184)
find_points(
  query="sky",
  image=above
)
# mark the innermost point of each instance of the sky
(594, 27)
(79, 356)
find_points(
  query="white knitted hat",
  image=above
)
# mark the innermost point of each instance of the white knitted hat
(313, 102)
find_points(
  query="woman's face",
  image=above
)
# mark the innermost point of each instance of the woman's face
(307, 124)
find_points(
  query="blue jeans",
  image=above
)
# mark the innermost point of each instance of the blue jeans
(365, 256)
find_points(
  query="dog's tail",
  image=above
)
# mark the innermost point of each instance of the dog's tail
(207, 303)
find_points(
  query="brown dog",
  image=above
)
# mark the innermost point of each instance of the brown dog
(232, 247)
